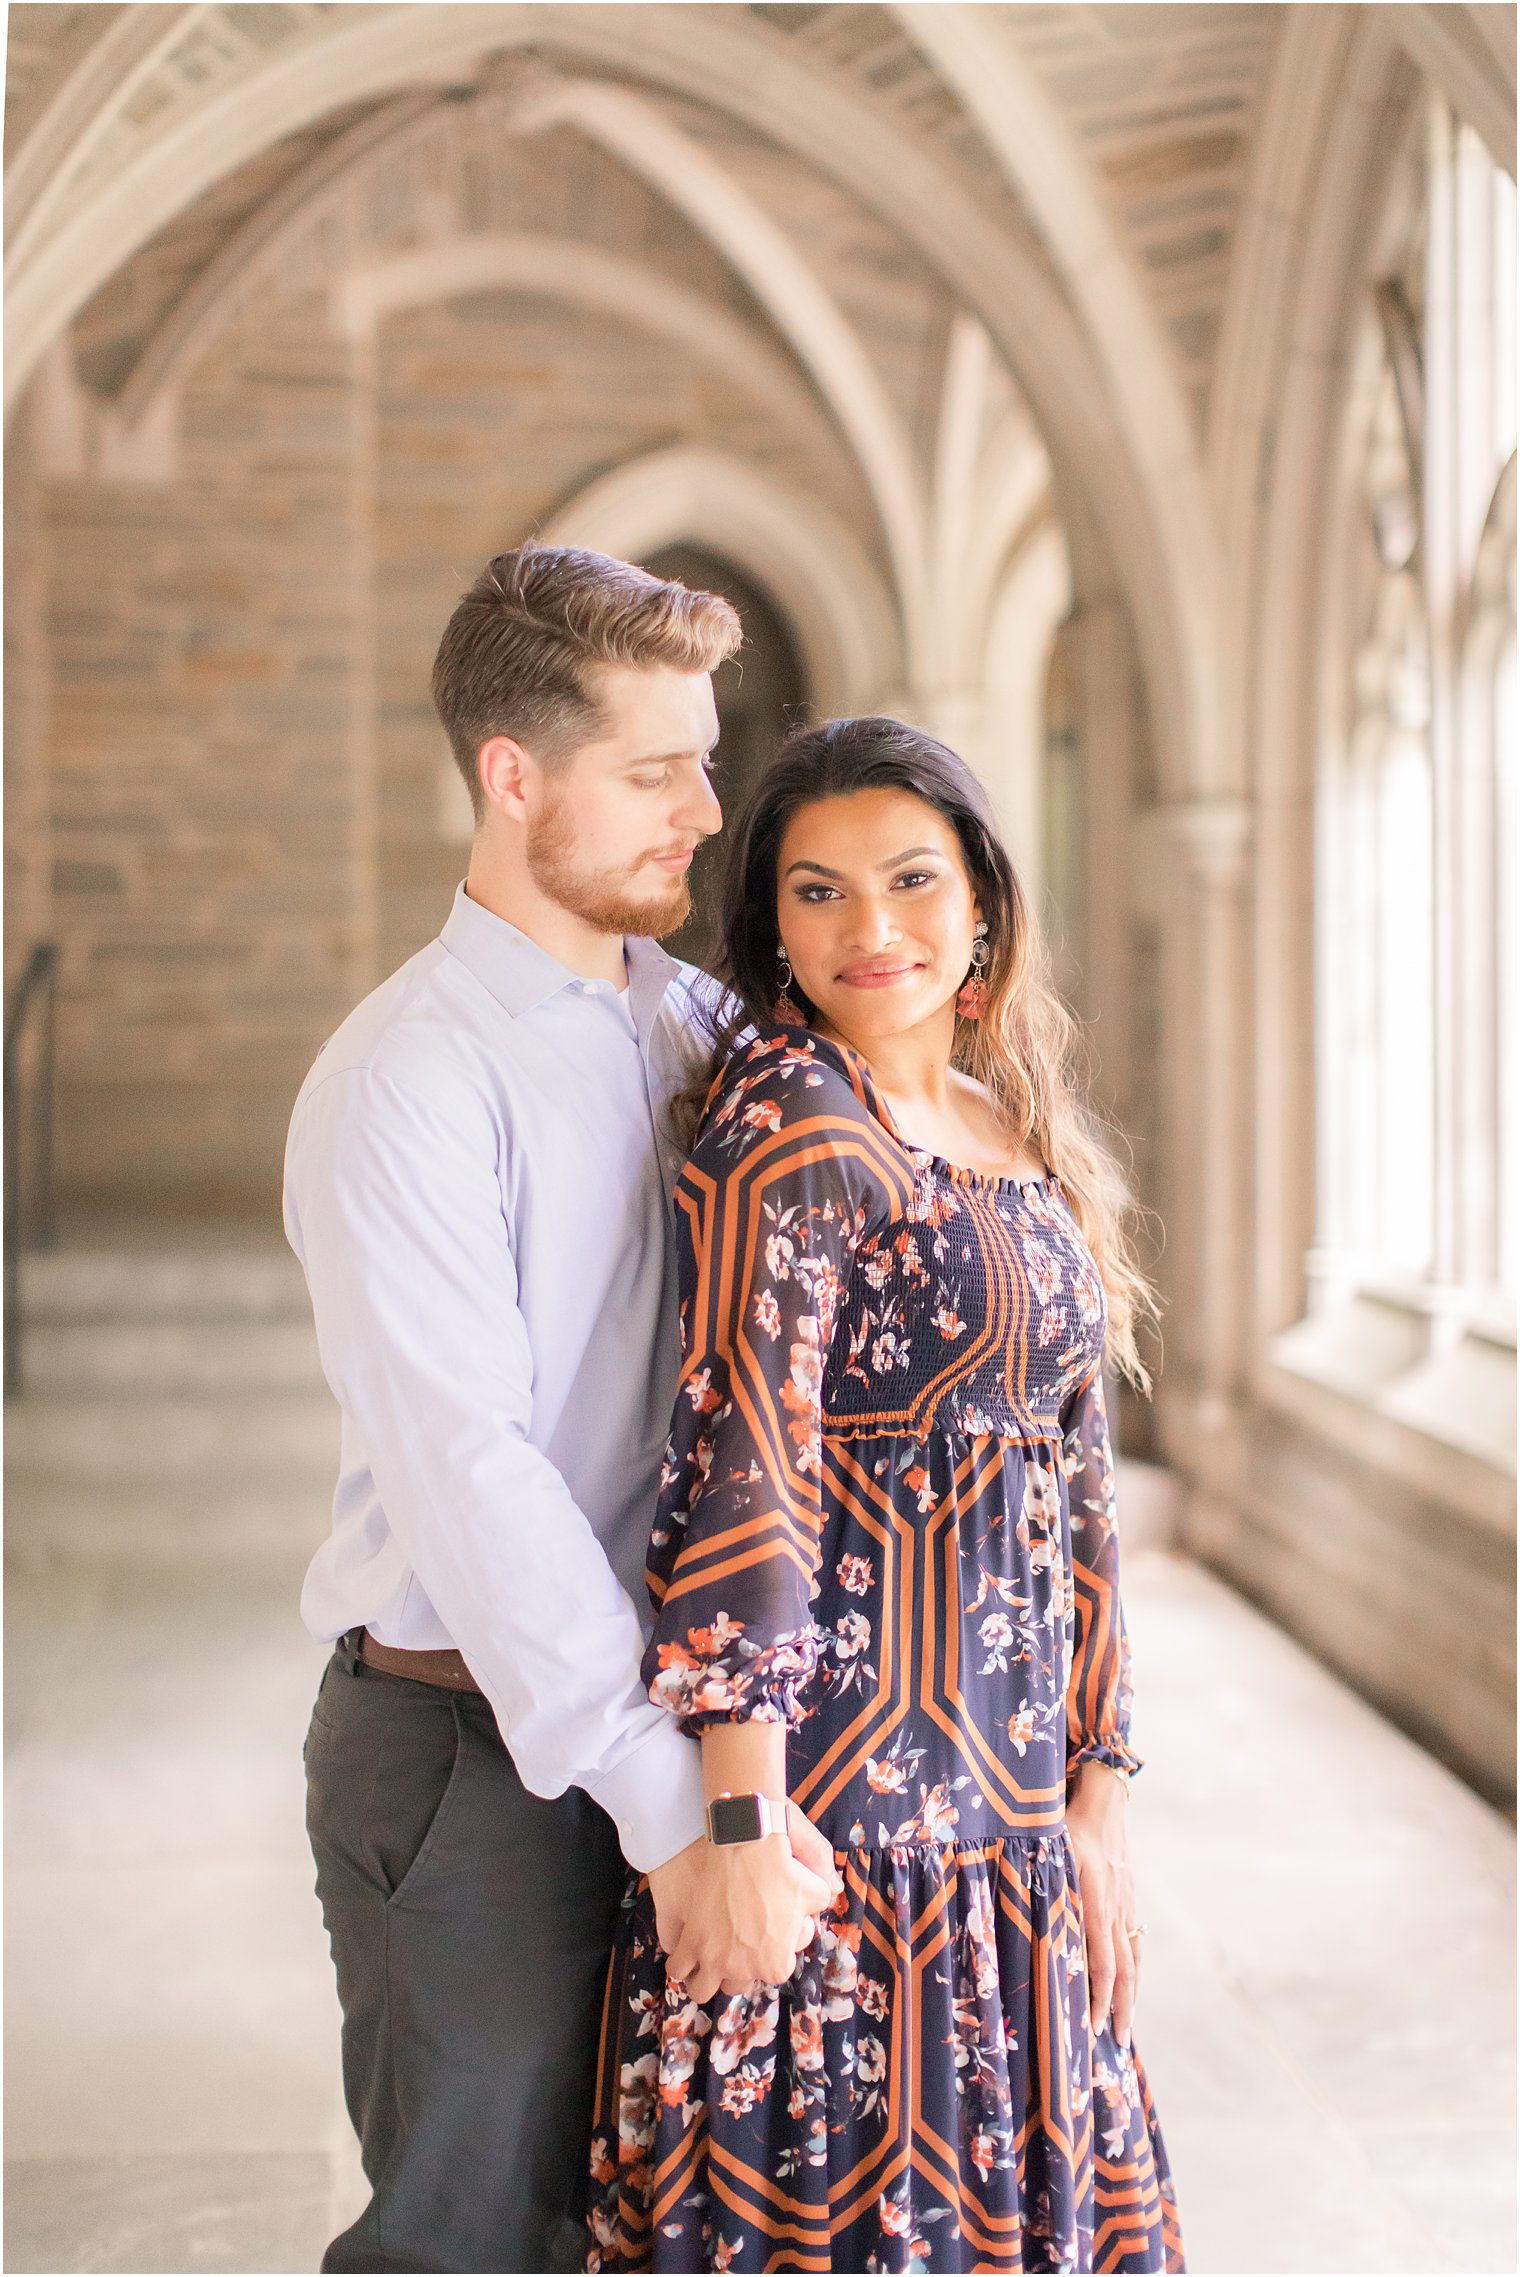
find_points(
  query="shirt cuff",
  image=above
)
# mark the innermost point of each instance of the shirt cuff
(654, 1797)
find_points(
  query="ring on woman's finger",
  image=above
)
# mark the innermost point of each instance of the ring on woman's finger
(1135, 1933)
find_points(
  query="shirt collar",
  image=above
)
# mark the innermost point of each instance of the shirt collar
(650, 972)
(520, 975)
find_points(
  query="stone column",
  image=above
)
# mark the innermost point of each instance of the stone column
(28, 815)
(1212, 1138)
(1114, 753)
(363, 734)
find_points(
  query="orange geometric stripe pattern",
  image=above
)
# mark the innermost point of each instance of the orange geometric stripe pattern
(888, 1519)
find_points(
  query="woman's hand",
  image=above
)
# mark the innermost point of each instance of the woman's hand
(1099, 1835)
(746, 1910)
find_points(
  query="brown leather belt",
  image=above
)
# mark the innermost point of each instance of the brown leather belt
(446, 1667)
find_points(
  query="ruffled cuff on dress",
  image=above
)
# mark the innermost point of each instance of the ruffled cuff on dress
(716, 1678)
(1115, 1753)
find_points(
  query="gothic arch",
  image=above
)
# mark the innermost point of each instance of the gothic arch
(194, 317)
(808, 316)
(1045, 166)
(567, 269)
(1030, 602)
(826, 585)
(991, 479)
(1469, 53)
(1111, 506)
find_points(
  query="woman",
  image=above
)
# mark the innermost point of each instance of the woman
(884, 1567)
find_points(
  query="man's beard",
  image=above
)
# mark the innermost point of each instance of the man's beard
(600, 898)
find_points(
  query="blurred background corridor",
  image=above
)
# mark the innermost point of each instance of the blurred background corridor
(1125, 393)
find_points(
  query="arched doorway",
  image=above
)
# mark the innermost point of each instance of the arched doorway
(760, 693)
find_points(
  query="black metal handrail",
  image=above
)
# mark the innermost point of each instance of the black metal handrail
(29, 1200)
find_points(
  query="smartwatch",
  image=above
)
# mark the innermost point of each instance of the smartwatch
(744, 1818)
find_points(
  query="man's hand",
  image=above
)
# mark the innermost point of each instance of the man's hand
(733, 1915)
(811, 1850)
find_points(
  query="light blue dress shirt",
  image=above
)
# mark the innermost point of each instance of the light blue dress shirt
(478, 1190)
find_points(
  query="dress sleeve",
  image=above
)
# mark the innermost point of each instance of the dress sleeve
(791, 1170)
(1098, 1695)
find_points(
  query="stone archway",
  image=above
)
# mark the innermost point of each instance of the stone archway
(820, 574)
(1114, 508)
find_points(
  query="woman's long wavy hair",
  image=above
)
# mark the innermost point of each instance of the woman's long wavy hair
(1026, 1048)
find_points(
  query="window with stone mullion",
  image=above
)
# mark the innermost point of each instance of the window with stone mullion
(1416, 846)
(1470, 442)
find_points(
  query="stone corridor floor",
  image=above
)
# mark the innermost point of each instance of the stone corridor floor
(1326, 2013)
(1327, 2009)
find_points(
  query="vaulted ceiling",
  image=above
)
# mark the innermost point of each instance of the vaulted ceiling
(1078, 180)
(1161, 100)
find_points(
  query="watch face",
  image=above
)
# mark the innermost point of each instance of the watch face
(735, 1818)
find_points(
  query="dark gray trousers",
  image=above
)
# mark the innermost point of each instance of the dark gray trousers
(470, 1924)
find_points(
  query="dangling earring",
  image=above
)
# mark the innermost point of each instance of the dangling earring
(789, 1012)
(971, 1002)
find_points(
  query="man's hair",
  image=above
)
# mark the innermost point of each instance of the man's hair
(517, 653)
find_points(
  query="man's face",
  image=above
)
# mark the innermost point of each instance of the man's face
(614, 826)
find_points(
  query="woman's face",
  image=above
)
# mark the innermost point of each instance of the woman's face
(876, 912)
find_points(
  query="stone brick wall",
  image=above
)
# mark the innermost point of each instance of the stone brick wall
(1411, 1599)
(491, 413)
(204, 811)
(227, 784)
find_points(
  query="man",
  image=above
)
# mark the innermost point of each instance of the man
(478, 1189)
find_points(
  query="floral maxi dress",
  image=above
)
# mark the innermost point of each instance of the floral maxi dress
(886, 1518)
